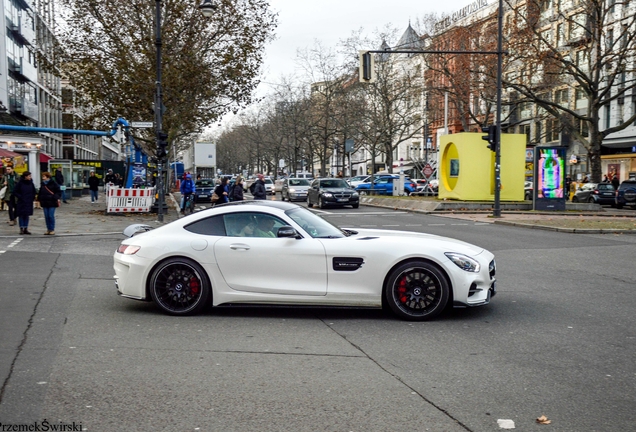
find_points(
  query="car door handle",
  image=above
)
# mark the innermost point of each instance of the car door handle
(239, 246)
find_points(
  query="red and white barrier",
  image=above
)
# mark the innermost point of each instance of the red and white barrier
(124, 200)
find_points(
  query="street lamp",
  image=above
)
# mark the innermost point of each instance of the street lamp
(207, 8)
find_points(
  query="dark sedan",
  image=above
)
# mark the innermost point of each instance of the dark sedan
(204, 190)
(599, 193)
(332, 191)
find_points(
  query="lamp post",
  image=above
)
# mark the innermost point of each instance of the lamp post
(207, 8)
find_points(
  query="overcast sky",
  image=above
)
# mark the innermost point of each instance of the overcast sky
(302, 22)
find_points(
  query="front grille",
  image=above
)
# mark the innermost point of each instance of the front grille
(491, 269)
(342, 195)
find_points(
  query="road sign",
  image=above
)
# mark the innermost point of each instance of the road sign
(427, 170)
(142, 125)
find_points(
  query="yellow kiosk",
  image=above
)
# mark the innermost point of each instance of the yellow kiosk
(467, 167)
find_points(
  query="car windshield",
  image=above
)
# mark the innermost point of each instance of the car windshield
(315, 226)
(205, 183)
(358, 178)
(334, 183)
(298, 182)
(269, 181)
(605, 186)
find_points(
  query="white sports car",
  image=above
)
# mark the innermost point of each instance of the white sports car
(231, 254)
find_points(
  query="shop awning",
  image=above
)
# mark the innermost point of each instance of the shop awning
(8, 153)
(44, 157)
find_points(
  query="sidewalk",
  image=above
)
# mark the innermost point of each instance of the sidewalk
(80, 217)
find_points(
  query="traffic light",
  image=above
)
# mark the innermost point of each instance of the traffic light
(162, 145)
(367, 67)
(491, 137)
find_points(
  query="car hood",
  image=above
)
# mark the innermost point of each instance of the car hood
(452, 245)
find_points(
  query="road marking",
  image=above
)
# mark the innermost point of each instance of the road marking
(391, 225)
(460, 224)
(15, 243)
(413, 225)
(362, 226)
(436, 224)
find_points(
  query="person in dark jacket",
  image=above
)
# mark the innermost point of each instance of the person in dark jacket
(222, 191)
(49, 199)
(9, 180)
(237, 190)
(259, 189)
(25, 193)
(59, 179)
(93, 186)
(615, 181)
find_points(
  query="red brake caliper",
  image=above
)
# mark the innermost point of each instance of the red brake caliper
(194, 286)
(402, 290)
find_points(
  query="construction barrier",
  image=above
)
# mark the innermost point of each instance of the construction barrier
(129, 200)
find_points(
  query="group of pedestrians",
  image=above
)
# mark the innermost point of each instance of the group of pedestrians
(21, 196)
(225, 192)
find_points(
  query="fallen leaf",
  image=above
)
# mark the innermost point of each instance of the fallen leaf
(543, 420)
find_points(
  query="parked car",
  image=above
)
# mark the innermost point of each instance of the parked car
(415, 275)
(383, 185)
(426, 187)
(626, 194)
(356, 180)
(332, 191)
(295, 189)
(269, 186)
(528, 189)
(204, 189)
(599, 193)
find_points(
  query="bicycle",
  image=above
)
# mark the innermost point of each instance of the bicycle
(188, 206)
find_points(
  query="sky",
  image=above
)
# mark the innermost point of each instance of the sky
(302, 22)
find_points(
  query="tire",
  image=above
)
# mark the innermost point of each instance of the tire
(417, 291)
(575, 199)
(406, 192)
(591, 200)
(362, 192)
(179, 286)
(322, 203)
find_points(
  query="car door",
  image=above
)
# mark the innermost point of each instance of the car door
(385, 185)
(270, 265)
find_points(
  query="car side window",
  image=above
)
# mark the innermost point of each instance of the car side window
(251, 224)
(212, 226)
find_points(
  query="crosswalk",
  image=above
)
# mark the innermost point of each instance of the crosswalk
(4, 246)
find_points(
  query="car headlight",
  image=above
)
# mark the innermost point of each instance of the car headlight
(326, 194)
(464, 262)
(354, 194)
(291, 190)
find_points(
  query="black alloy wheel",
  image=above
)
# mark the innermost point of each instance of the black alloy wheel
(417, 291)
(179, 286)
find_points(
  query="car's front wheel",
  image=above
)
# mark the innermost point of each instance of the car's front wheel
(417, 291)
(179, 286)
(322, 203)
(575, 199)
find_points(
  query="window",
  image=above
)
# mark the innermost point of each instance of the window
(538, 132)
(577, 26)
(213, 226)
(561, 97)
(252, 224)
(581, 99)
(551, 130)
(525, 129)
(608, 115)
(560, 35)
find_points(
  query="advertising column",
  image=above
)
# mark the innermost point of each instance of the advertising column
(549, 174)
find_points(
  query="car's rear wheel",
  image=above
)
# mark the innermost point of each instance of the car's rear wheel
(417, 291)
(575, 199)
(591, 200)
(179, 286)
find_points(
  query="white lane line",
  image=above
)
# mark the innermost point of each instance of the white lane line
(362, 226)
(1, 251)
(15, 243)
(436, 224)
(413, 225)
(390, 225)
(482, 223)
(460, 224)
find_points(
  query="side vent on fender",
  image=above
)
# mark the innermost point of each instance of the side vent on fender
(347, 263)
(367, 238)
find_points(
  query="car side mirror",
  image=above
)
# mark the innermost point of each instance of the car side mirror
(287, 231)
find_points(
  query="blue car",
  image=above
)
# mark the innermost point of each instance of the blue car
(384, 186)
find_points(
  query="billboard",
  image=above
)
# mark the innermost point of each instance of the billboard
(549, 176)
(204, 155)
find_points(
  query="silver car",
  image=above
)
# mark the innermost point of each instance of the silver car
(294, 189)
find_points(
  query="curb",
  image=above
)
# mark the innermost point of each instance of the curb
(566, 230)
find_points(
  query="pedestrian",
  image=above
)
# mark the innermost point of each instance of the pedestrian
(59, 179)
(237, 190)
(222, 191)
(109, 180)
(187, 188)
(568, 185)
(605, 179)
(616, 181)
(93, 186)
(49, 199)
(259, 191)
(9, 180)
(340, 174)
(25, 194)
(585, 180)
(119, 180)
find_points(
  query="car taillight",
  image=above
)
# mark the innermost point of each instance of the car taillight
(128, 249)
(595, 192)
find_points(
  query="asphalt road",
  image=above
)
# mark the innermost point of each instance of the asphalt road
(557, 340)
